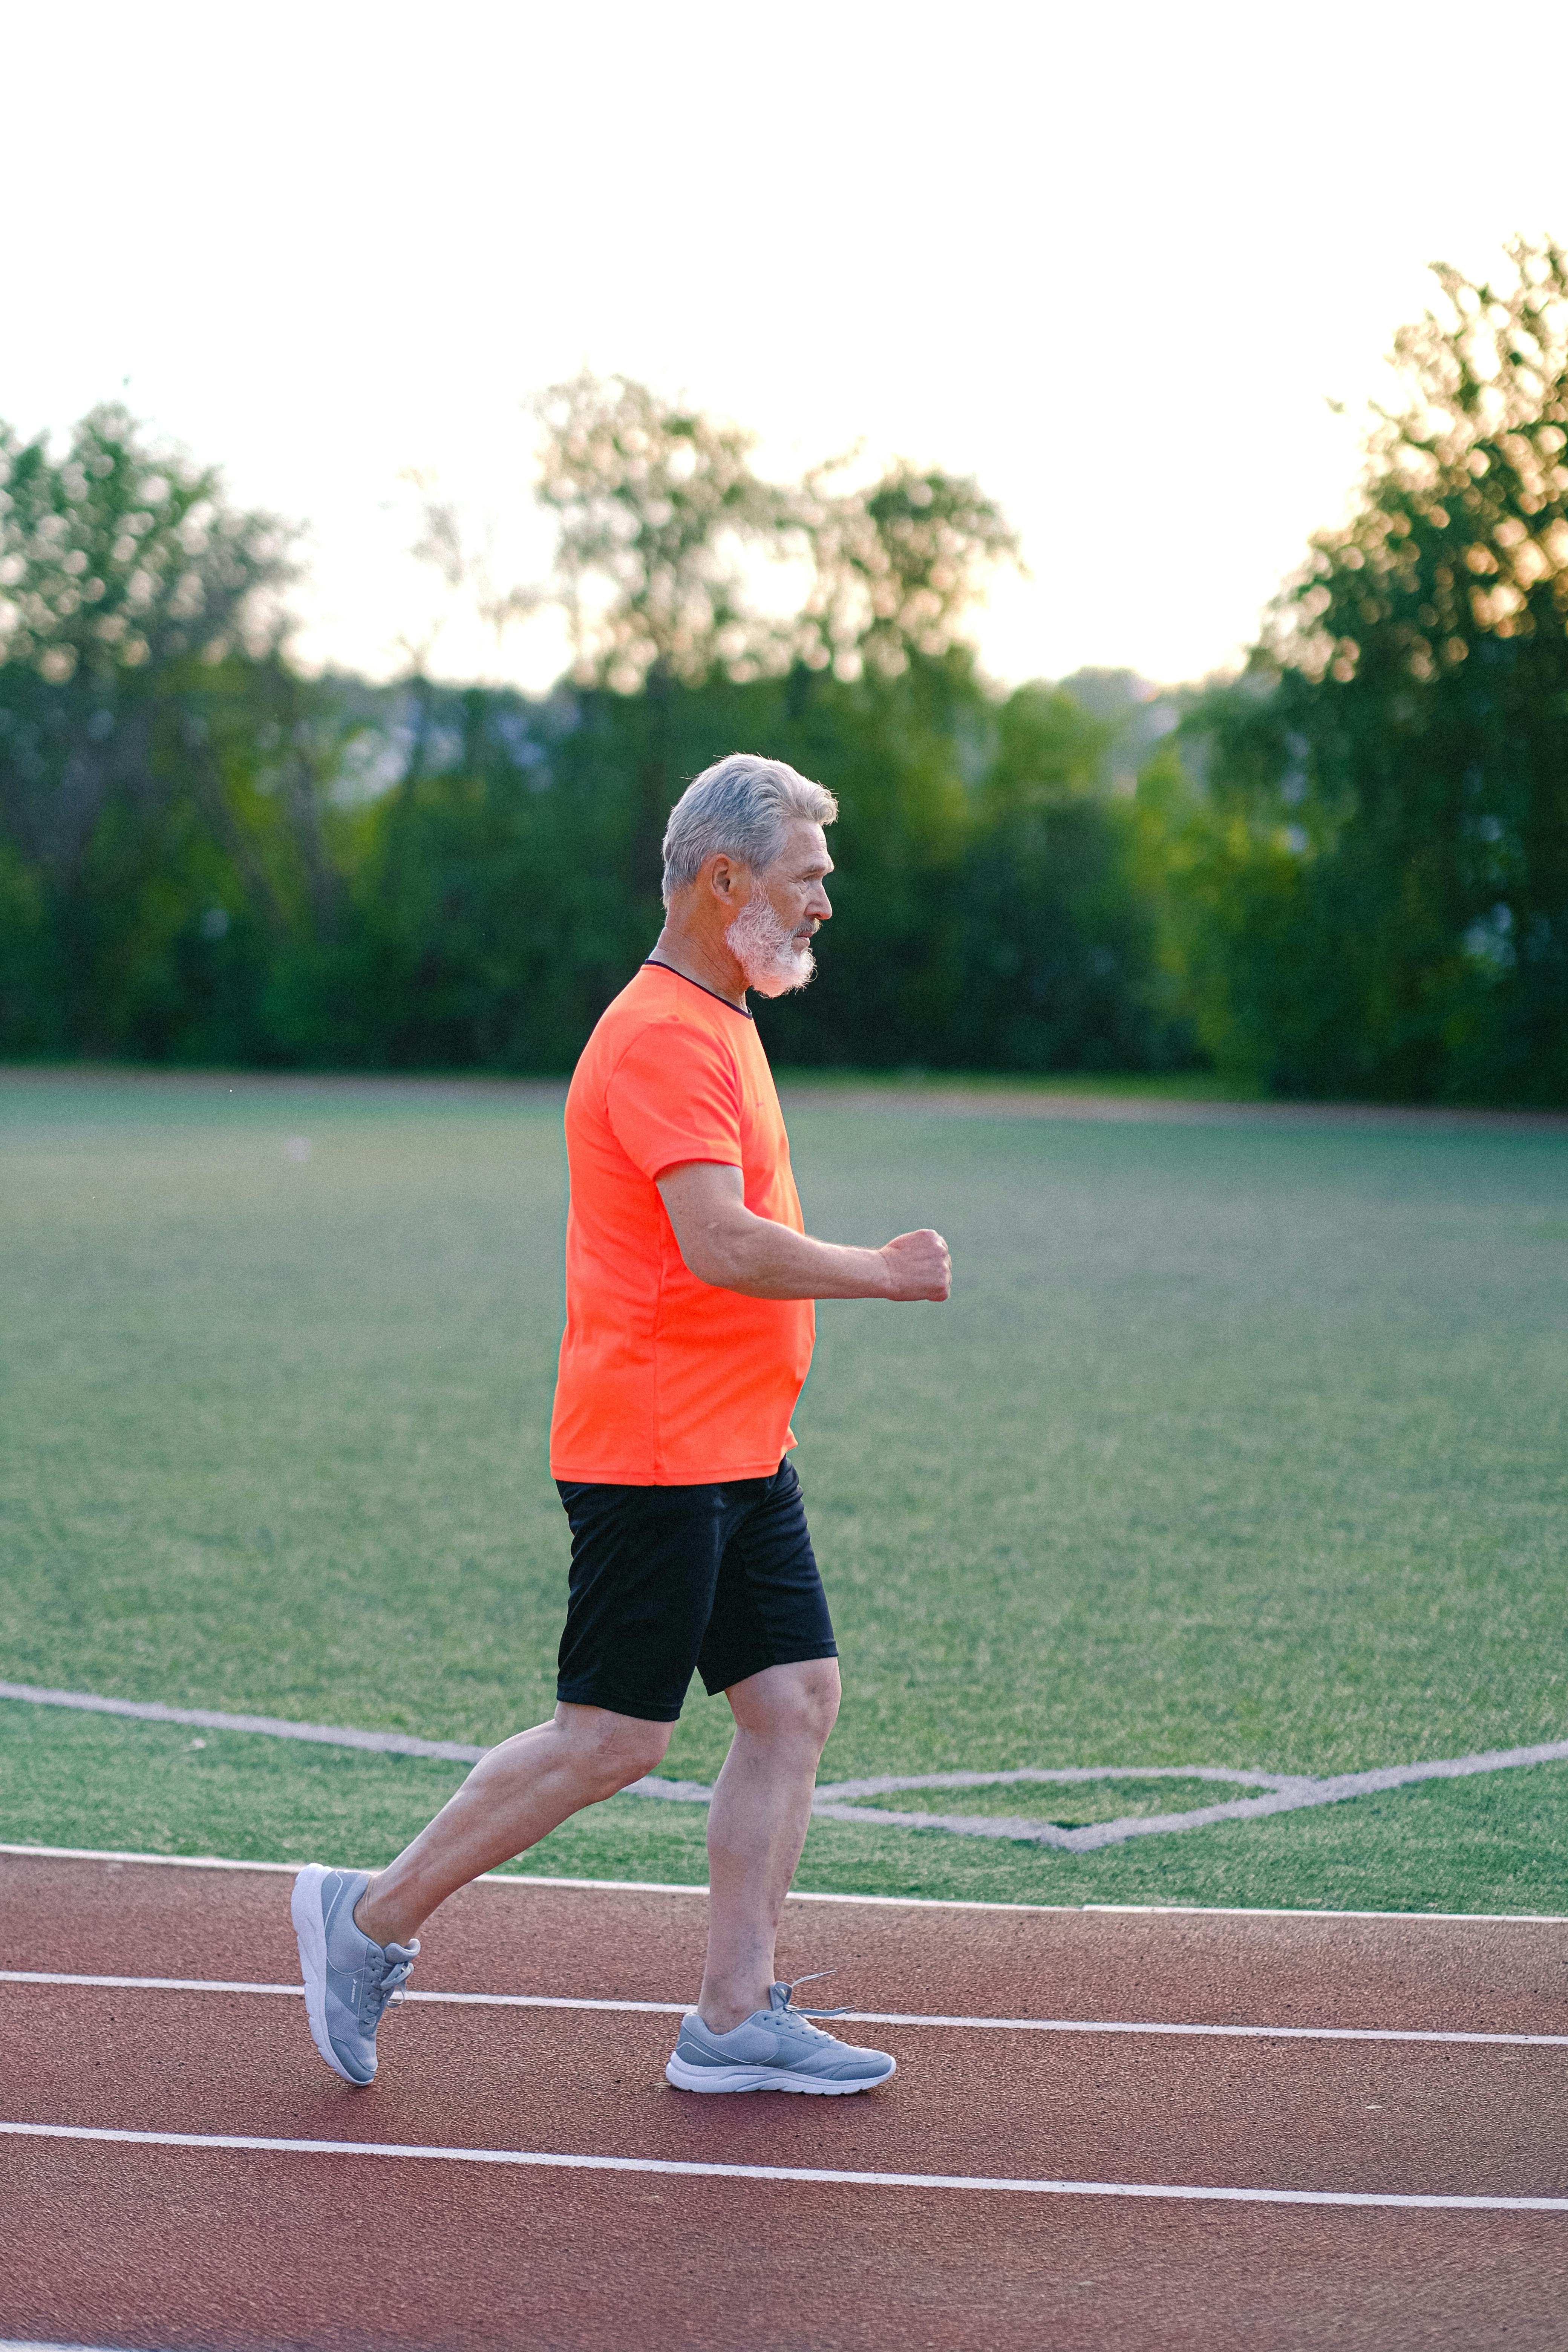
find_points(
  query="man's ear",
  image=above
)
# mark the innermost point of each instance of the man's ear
(727, 876)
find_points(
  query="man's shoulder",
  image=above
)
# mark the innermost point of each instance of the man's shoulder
(675, 1015)
(658, 997)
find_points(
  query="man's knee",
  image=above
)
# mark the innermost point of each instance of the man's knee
(820, 1699)
(614, 1749)
(818, 1694)
(797, 1703)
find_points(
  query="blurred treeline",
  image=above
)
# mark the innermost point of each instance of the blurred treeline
(1343, 872)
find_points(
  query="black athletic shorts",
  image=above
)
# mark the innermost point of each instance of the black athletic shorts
(668, 1579)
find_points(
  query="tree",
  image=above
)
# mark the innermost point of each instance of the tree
(668, 540)
(667, 533)
(118, 565)
(1382, 838)
(659, 513)
(1056, 966)
(149, 783)
(897, 567)
(206, 857)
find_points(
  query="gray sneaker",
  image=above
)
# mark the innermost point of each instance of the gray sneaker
(349, 1979)
(774, 2049)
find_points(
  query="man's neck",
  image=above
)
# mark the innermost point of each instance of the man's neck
(714, 969)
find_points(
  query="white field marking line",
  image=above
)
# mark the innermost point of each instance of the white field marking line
(801, 2173)
(1287, 1793)
(846, 2016)
(1284, 1792)
(527, 1879)
(274, 1726)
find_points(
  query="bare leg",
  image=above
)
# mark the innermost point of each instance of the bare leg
(757, 1826)
(513, 1797)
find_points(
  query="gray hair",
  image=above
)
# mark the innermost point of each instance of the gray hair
(741, 804)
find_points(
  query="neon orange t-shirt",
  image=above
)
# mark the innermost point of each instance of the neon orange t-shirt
(665, 1380)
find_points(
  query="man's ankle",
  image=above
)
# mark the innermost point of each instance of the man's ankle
(371, 1926)
(722, 2017)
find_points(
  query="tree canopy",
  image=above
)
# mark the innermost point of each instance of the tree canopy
(1369, 893)
(666, 531)
(1343, 872)
(120, 565)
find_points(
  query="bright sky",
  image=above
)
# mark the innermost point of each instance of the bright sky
(1113, 259)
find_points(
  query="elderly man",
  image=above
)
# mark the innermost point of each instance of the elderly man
(689, 1283)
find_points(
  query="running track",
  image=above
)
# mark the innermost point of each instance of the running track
(132, 2243)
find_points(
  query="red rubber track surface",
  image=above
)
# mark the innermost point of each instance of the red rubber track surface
(253, 2252)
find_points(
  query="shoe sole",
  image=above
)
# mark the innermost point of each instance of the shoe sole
(765, 2078)
(310, 1933)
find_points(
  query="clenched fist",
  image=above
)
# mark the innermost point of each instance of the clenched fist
(918, 1265)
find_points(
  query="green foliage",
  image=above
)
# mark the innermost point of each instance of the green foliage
(118, 557)
(498, 906)
(1345, 874)
(1224, 878)
(1367, 892)
(206, 858)
(147, 833)
(1056, 964)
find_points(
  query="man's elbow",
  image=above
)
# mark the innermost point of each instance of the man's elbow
(707, 1266)
(720, 1259)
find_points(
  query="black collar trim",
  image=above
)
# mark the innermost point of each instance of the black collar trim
(652, 963)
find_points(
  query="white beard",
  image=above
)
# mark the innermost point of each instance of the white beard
(770, 957)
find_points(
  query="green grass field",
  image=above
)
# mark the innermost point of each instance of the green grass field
(1238, 1445)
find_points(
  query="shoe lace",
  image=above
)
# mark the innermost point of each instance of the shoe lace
(791, 2008)
(388, 1993)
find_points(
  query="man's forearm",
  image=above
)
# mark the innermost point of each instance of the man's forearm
(729, 1246)
(764, 1260)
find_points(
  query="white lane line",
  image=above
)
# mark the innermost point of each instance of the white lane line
(846, 2017)
(118, 1854)
(295, 1992)
(547, 2161)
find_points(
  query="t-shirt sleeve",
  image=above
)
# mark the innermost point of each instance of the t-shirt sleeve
(675, 1094)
